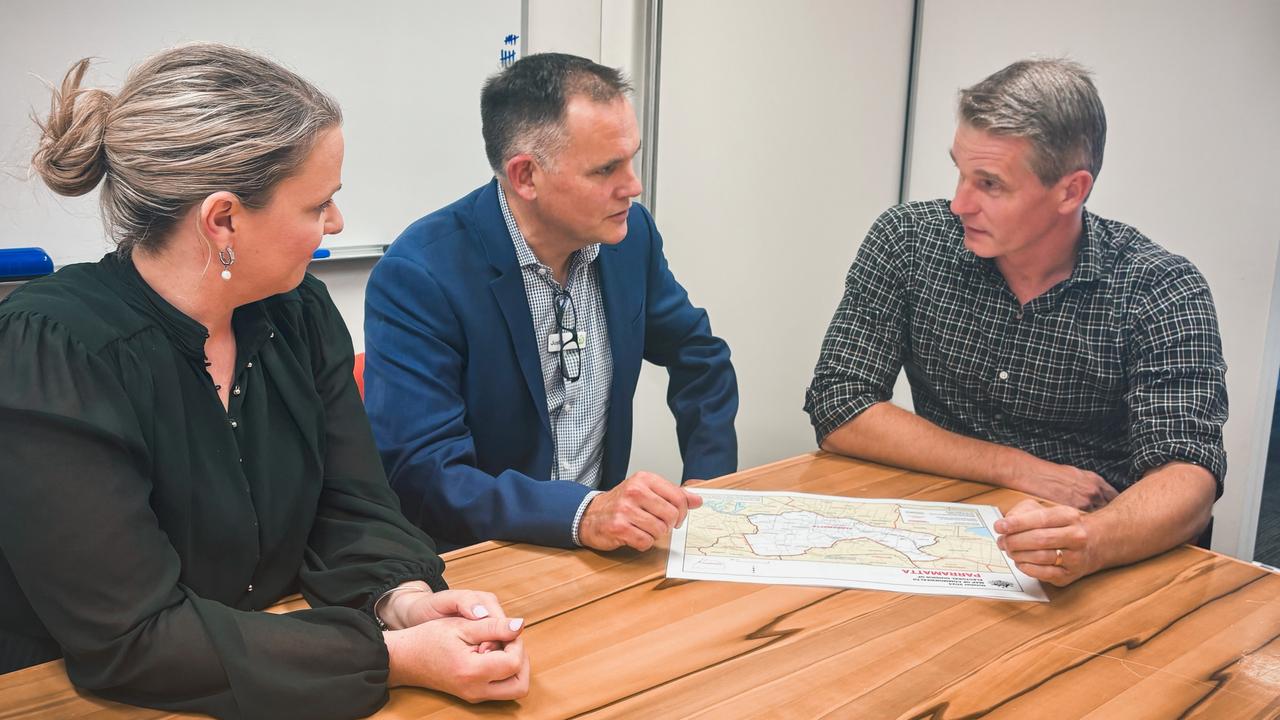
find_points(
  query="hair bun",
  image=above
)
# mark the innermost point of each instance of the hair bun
(71, 156)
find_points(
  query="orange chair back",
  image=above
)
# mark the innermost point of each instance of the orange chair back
(358, 371)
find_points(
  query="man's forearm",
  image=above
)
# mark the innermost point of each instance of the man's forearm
(886, 433)
(1169, 506)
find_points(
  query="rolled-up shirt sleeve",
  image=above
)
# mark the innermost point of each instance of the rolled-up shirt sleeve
(1177, 394)
(863, 349)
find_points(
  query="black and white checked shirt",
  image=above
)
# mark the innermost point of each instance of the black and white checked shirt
(1118, 369)
(578, 410)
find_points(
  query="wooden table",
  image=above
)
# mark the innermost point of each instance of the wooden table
(1187, 634)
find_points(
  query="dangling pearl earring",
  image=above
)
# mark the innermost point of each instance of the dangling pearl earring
(227, 257)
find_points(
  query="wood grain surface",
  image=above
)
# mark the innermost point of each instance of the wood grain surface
(1188, 634)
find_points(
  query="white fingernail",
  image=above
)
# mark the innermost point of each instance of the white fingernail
(515, 624)
(480, 611)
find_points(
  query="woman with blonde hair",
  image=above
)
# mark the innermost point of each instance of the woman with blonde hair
(183, 442)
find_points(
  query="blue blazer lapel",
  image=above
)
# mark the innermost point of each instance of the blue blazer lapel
(622, 305)
(508, 291)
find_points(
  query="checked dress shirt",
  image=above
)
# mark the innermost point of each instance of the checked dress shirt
(1118, 369)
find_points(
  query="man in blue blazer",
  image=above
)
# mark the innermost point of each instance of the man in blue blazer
(505, 332)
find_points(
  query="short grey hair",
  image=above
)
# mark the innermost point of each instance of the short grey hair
(1050, 102)
(522, 108)
(188, 122)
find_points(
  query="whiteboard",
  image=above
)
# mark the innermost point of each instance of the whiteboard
(407, 73)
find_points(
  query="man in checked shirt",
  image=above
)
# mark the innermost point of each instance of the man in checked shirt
(1049, 350)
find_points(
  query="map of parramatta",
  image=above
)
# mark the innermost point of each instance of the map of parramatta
(801, 539)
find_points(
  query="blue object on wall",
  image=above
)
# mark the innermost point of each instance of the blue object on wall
(320, 254)
(24, 263)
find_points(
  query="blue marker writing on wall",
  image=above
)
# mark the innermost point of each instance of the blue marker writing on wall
(508, 56)
(24, 263)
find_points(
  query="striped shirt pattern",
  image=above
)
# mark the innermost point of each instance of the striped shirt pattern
(1117, 369)
(578, 410)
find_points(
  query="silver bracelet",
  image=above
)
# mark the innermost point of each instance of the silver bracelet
(377, 605)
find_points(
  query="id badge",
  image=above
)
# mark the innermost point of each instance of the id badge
(557, 340)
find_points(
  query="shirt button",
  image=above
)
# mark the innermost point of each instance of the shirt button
(272, 335)
(250, 588)
(999, 417)
(1004, 375)
(1018, 316)
(234, 424)
(235, 390)
(250, 364)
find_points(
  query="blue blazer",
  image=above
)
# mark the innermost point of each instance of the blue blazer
(453, 380)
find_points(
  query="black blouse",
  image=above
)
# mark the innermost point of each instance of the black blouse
(142, 525)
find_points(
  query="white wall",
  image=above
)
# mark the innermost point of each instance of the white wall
(780, 136)
(1192, 101)
(567, 26)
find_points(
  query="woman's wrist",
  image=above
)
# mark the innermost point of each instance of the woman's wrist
(393, 638)
(393, 610)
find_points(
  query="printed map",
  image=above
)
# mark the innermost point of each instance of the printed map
(797, 538)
